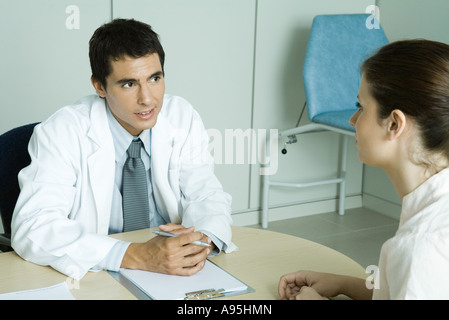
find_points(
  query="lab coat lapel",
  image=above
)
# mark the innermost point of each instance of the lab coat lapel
(101, 164)
(161, 152)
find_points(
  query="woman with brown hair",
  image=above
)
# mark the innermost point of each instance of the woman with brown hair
(402, 126)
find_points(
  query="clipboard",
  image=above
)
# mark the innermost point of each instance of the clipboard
(211, 282)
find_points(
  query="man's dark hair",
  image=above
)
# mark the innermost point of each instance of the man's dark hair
(119, 38)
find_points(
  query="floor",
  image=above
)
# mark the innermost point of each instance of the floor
(359, 234)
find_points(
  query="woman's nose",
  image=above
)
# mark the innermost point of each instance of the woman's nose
(353, 119)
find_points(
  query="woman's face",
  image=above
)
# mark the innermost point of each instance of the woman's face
(370, 134)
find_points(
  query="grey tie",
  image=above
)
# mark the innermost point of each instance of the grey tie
(134, 190)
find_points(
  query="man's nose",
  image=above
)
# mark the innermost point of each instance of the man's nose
(145, 95)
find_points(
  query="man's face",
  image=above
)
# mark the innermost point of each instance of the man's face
(134, 91)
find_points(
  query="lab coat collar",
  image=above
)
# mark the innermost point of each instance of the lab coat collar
(161, 150)
(101, 163)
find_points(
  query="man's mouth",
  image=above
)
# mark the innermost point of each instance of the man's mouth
(145, 115)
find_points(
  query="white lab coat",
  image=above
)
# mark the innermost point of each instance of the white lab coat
(62, 214)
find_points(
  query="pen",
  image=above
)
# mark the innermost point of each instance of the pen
(168, 234)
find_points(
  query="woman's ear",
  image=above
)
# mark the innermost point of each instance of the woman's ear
(396, 124)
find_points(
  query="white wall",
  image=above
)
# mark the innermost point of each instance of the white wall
(282, 34)
(239, 62)
(209, 61)
(44, 65)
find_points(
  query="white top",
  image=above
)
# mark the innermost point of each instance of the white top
(414, 264)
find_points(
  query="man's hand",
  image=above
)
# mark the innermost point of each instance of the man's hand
(170, 255)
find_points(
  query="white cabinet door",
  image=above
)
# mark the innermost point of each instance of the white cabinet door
(44, 58)
(209, 48)
(283, 29)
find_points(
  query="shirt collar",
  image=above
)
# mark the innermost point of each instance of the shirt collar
(428, 192)
(122, 138)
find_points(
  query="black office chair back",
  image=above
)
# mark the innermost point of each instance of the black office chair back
(13, 157)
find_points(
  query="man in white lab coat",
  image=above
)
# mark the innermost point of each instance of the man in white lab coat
(70, 197)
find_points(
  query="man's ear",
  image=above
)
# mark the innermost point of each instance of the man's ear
(396, 124)
(101, 90)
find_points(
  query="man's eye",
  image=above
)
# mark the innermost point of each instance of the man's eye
(155, 79)
(128, 85)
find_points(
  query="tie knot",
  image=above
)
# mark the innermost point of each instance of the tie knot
(134, 149)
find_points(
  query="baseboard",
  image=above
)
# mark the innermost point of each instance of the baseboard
(294, 211)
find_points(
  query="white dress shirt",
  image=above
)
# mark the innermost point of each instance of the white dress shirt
(414, 264)
(122, 140)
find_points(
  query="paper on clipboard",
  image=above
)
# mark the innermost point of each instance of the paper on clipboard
(170, 287)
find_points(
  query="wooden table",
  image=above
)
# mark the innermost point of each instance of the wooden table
(263, 257)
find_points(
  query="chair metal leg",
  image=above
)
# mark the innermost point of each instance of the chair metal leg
(266, 183)
(342, 192)
(265, 196)
(341, 179)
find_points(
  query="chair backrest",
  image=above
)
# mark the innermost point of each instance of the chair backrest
(13, 157)
(337, 47)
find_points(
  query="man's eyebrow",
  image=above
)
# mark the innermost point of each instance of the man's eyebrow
(126, 80)
(157, 73)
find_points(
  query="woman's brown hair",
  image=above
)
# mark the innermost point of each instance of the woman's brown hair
(413, 76)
